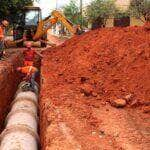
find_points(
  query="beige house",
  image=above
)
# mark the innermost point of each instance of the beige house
(123, 6)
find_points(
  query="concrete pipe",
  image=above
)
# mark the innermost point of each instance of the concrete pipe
(24, 104)
(25, 86)
(25, 82)
(22, 121)
(22, 117)
(18, 138)
(27, 95)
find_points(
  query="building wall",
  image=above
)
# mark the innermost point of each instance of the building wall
(133, 22)
(123, 5)
(110, 22)
(136, 22)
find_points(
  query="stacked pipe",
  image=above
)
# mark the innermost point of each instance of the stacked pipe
(20, 132)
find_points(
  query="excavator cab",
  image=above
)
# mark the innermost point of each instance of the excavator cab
(32, 16)
(27, 27)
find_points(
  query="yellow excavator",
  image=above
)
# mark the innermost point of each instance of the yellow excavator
(47, 23)
(34, 28)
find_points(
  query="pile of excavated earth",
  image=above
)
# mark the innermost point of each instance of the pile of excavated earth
(95, 91)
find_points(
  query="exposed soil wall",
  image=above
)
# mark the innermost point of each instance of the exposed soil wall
(9, 79)
(80, 78)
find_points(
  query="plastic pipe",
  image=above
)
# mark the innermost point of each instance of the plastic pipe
(20, 132)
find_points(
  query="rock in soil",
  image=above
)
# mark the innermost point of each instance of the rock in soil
(118, 103)
(146, 109)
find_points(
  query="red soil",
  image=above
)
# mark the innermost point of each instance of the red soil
(81, 76)
(9, 80)
(54, 39)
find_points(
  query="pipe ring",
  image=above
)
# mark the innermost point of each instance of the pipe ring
(22, 111)
(21, 128)
(26, 97)
(20, 99)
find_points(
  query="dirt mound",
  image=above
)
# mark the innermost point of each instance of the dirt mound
(79, 79)
(105, 63)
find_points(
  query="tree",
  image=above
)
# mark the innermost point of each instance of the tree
(99, 11)
(140, 8)
(72, 12)
(12, 9)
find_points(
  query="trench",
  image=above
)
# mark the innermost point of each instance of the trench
(9, 81)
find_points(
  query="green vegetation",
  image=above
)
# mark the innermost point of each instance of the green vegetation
(11, 9)
(72, 12)
(100, 11)
(121, 14)
(140, 8)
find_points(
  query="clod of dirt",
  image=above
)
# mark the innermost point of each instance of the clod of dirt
(146, 109)
(135, 103)
(83, 79)
(87, 90)
(118, 103)
(101, 132)
(147, 26)
(128, 97)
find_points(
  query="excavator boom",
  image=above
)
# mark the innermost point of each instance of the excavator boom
(67, 23)
(47, 23)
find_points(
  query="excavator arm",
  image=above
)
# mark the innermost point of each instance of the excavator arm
(67, 23)
(48, 22)
(43, 26)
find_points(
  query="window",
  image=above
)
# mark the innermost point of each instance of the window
(32, 17)
(122, 21)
